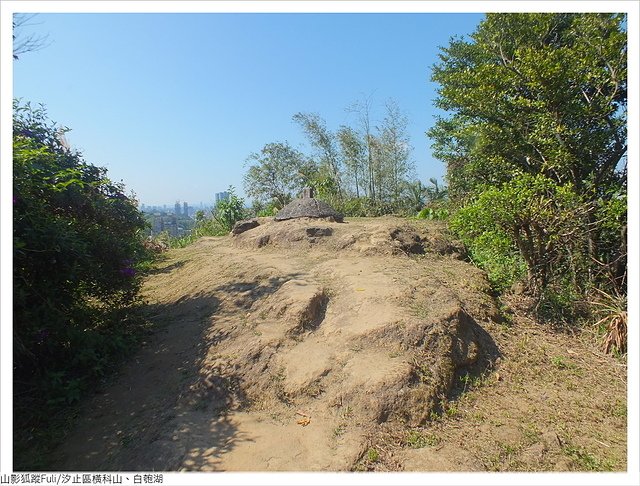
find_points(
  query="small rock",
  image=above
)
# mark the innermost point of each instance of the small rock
(319, 231)
(263, 240)
(244, 225)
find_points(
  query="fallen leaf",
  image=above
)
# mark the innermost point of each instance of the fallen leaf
(304, 421)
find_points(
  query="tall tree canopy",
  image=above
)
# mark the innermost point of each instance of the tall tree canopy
(534, 93)
(365, 170)
(277, 173)
(535, 145)
(395, 165)
(324, 142)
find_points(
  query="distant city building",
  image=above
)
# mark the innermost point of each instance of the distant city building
(164, 222)
(185, 209)
(177, 210)
(156, 225)
(222, 196)
(170, 225)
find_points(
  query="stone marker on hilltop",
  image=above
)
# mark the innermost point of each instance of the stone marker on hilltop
(308, 207)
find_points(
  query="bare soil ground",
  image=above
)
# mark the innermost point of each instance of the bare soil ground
(308, 345)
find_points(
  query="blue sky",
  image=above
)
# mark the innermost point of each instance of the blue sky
(173, 104)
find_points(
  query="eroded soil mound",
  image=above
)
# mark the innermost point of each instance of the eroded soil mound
(363, 236)
(284, 346)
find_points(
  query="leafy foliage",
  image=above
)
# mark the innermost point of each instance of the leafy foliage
(535, 147)
(77, 253)
(536, 216)
(436, 201)
(354, 156)
(277, 173)
(329, 160)
(431, 213)
(228, 211)
(345, 168)
(534, 93)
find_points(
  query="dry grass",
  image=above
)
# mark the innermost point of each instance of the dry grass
(613, 322)
(553, 402)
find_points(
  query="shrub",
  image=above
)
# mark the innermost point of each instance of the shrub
(440, 213)
(77, 255)
(270, 209)
(228, 211)
(355, 207)
(529, 222)
(613, 321)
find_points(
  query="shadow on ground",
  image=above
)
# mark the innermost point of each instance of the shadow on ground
(244, 294)
(466, 375)
(128, 424)
(163, 411)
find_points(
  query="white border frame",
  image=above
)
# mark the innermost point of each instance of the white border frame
(631, 7)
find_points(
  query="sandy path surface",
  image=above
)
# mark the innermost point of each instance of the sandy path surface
(284, 355)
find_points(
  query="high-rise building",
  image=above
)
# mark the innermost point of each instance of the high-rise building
(221, 196)
(185, 209)
(177, 211)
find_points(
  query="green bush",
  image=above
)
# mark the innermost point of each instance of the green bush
(228, 211)
(361, 207)
(440, 213)
(525, 224)
(610, 217)
(562, 245)
(355, 207)
(77, 255)
(561, 302)
(495, 253)
(264, 210)
(269, 210)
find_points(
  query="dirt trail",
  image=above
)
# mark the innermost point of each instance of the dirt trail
(291, 347)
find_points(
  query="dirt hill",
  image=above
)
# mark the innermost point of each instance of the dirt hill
(308, 345)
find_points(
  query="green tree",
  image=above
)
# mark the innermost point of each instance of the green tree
(534, 93)
(324, 141)
(435, 193)
(277, 173)
(543, 221)
(414, 195)
(540, 99)
(354, 154)
(394, 166)
(362, 110)
(378, 157)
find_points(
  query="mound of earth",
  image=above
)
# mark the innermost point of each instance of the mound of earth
(283, 347)
(362, 236)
